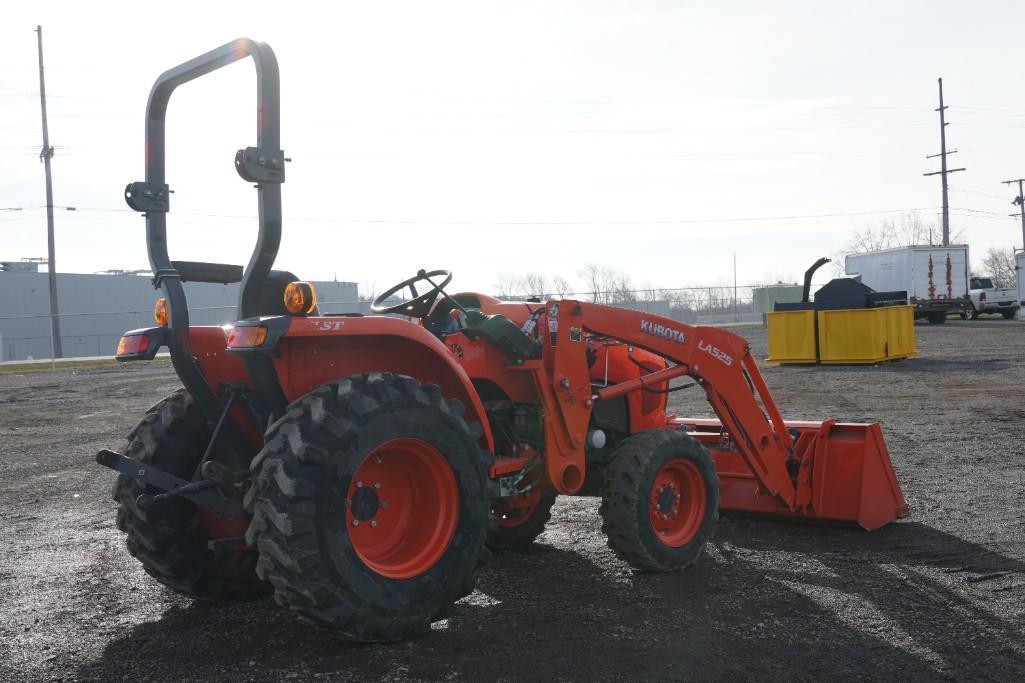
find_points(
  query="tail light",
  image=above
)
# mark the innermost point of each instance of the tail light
(132, 344)
(246, 337)
(142, 344)
(982, 296)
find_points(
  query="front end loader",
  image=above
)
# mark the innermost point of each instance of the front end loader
(360, 468)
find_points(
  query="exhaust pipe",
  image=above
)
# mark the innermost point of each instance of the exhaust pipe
(806, 294)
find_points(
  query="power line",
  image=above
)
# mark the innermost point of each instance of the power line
(404, 221)
(962, 208)
(989, 125)
(995, 109)
(51, 96)
(979, 194)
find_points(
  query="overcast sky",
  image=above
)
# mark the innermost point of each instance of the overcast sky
(655, 137)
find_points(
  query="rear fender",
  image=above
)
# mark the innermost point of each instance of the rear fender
(317, 350)
(220, 368)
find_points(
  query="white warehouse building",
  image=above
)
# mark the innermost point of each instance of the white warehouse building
(96, 309)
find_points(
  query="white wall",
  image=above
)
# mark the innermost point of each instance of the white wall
(96, 309)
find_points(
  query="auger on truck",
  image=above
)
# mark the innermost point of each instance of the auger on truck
(360, 467)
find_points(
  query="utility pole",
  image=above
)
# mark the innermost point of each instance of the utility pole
(45, 155)
(736, 313)
(1019, 201)
(943, 167)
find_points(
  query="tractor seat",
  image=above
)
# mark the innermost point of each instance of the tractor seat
(496, 328)
(503, 333)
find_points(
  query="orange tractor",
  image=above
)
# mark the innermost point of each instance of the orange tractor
(360, 466)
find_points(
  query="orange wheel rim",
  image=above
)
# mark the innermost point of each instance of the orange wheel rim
(401, 508)
(676, 505)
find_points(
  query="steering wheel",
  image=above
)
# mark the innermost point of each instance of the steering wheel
(420, 305)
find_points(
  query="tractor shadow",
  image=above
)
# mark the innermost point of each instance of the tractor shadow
(766, 599)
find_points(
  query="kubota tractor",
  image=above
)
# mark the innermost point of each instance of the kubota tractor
(360, 466)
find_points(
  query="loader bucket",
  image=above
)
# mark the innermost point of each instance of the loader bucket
(845, 477)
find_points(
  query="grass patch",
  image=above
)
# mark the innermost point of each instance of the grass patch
(45, 365)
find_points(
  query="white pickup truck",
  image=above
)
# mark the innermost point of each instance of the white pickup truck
(988, 299)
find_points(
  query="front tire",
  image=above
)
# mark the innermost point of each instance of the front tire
(661, 500)
(370, 506)
(1009, 315)
(169, 539)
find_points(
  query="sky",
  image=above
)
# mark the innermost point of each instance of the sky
(656, 138)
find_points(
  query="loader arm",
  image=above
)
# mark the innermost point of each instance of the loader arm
(719, 361)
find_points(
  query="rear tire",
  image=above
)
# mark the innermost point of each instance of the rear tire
(168, 539)
(518, 529)
(970, 313)
(370, 506)
(661, 500)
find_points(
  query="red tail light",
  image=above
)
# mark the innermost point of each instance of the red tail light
(982, 296)
(131, 344)
(242, 337)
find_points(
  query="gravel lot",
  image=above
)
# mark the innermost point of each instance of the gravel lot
(940, 595)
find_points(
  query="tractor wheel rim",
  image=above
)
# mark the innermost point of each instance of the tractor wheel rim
(676, 506)
(401, 508)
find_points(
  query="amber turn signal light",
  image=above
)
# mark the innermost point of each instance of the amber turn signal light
(300, 298)
(246, 337)
(132, 344)
(160, 312)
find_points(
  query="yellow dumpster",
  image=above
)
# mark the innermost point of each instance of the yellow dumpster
(791, 336)
(841, 336)
(866, 335)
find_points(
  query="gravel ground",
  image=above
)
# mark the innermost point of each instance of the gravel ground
(936, 596)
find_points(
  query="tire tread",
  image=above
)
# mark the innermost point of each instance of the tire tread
(284, 525)
(627, 483)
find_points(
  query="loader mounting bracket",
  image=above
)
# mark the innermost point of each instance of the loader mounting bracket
(260, 165)
(200, 495)
(148, 197)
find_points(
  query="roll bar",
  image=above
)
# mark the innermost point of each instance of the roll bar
(263, 164)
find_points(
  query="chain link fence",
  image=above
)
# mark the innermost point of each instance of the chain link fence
(706, 305)
(90, 334)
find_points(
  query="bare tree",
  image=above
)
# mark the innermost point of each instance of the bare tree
(605, 284)
(622, 292)
(508, 285)
(904, 231)
(531, 284)
(367, 292)
(561, 286)
(999, 265)
(648, 292)
(598, 281)
(536, 284)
